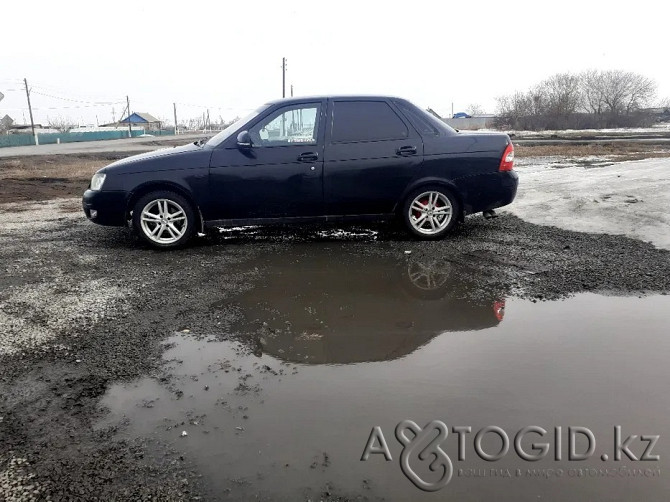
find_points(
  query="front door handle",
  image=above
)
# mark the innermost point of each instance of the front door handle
(308, 157)
(406, 150)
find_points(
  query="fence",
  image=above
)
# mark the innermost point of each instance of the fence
(471, 122)
(72, 137)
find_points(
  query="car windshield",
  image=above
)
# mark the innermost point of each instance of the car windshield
(228, 131)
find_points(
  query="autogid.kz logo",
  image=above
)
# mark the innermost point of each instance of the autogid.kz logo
(426, 464)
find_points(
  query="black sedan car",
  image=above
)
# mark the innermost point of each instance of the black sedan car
(305, 160)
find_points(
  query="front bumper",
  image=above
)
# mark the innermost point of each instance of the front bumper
(105, 207)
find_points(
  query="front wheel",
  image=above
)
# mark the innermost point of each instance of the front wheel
(429, 213)
(164, 219)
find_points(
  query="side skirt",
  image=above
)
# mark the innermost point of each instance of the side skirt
(241, 222)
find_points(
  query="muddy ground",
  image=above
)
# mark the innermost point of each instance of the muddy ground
(44, 177)
(85, 308)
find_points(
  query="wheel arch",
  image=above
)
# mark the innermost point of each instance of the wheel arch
(153, 186)
(426, 182)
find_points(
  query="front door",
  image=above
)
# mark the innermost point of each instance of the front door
(280, 176)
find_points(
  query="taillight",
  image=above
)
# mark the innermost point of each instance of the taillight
(499, 309)
(507, 161)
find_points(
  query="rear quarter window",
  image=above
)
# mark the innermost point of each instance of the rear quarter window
(366, 121)
(418, 119)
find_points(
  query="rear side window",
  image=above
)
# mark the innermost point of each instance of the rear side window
(418, 119)
(366, 121)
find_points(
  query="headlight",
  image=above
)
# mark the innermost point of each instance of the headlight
(97, 181)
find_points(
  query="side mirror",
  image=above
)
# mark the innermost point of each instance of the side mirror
(244, 140)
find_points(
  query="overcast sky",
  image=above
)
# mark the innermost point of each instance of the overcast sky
(227, 55)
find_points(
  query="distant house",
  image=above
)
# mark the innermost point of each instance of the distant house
(146, 120)
(6, 122)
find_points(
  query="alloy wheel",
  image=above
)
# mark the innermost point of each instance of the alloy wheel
(163, 221)
(430, 212)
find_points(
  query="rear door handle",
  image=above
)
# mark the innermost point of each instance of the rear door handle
(406, 150)
(308, 157)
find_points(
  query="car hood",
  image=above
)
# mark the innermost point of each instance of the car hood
(163, 152)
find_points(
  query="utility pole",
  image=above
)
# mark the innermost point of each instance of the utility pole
(30, 109)
(291, 90)
(175, 117)
(283, 77)
(130, 127)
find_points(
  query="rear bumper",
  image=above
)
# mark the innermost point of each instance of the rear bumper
(484, 192)
(105, 207)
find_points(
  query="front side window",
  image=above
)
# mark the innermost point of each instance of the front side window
(288, 126)
(366, 121)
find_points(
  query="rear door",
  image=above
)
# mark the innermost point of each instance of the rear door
(371, 155)
(281, 176)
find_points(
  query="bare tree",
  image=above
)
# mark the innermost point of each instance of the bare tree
(475, 109)
(164, 122)
(515, 110)
(193, 124)
(562, 94)
(593, 91)
(641, 91)
(61, 124)
(617, 92)
(594, 98)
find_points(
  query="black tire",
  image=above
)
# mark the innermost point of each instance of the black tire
(444, 202)
(164, 232)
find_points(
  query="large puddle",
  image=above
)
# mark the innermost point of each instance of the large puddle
(330, 349)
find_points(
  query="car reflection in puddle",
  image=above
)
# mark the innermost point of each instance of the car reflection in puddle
(319, 309)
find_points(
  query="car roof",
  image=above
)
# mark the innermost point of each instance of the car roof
(352, 97)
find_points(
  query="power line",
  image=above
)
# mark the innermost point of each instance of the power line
(69, 107)
(205, 107)
(78, 100)
(55, 90)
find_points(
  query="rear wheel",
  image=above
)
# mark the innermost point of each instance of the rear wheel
(430, 212)
(164, 219)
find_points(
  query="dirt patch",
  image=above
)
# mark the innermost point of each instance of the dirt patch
(49, 176)
(618, 151)
(28, 189)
